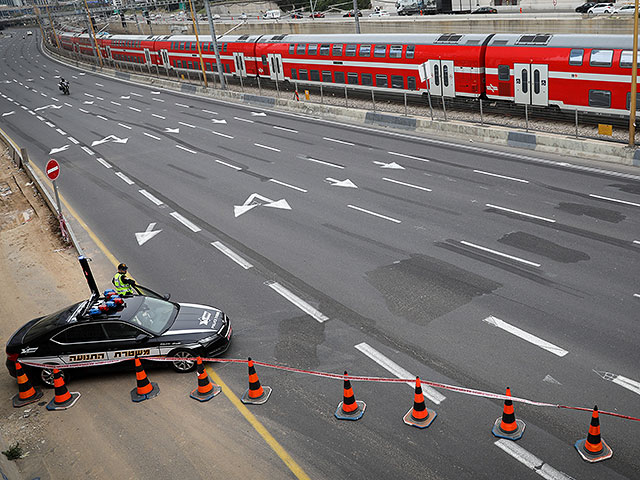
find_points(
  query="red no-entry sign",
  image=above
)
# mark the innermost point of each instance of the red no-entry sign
(53, 169)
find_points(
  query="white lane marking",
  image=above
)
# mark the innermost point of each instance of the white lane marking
(88, 151)
(68, 104)
(637, 295)
(404, 155)
(31, 112)
(125, 178)
(244, 120)
(116, 103)
(285, 129)
(151, 197)
(102, 118)
(73, 140)
(232, 255)
(23, 107)
(221, 134)
(55, 99)
(99, 98)
(322, 162)
(627, 383)
(550, 347)
(83, 110)
(89, 95)
(136, 94)
(637, 242)
(614, 200)
(495, 252)
(135, 109)
(267, 147)
(61, 132)
(544, 219)
(191, 226)
(99, 85)
(187, 124)
(298, 302)
(374, 214)
(209, 111)
(158, 116)
(50, 124)
(431, 393)
(103, 162)
(43, 94)
(157, 100)
(287, 185)
(410, 185)
(125, 126)
(235, 167)
(152, 136)
(181, 105)
(501, 176)
(328, 139)
(185, 149)
(529, 460)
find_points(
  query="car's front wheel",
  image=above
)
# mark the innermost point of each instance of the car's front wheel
(46, 377)
(186, 362)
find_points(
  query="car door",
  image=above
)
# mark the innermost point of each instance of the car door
(125, 340)
(85, 342)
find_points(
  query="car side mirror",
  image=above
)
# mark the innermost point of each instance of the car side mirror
(142, 337)
(166, 296)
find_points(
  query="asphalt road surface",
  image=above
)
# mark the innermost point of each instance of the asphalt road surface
(335, 247)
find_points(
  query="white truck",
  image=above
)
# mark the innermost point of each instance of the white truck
(272, 14)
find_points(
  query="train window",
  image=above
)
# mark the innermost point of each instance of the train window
(181, 45)
(326, 76)
(352, 78)
(411, 83)
(380, 51)
(292, 48)
(315, 75)
(629, 100)
(436, 74)
(525, 81)
(304, 75)
(445, 75)
(395, 51)
(205, 46)
(325, 49)
(193, 46)
(410, 51)
(191, 67)
(337, 50)
(338, 77)
(397, 81)
(350, 50)
(599, 98)
(601, 58)
(294, 74)
(382, 81)
(301, 49)
(366, 79)
(536, 81)
(224, 47)
(575, 56)
(264, 60)
(227, 68)
(626, 59)
(313, 49)
(504, 73)
(365, 50)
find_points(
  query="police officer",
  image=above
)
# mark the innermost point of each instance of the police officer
(123, 284)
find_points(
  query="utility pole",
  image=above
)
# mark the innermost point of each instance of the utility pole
(55, 34)
(356, 13)
(93, 34)
(195, 31)
(634, 80)
(212, 30)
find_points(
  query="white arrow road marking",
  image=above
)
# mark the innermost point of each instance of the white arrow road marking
(148, 234)
(45, 107)
(625, 382)
(550, 347)
(119, 140)
(392, 165)
(240, 209)
(298, 302)
(341, 183)
(431, 393)
(100, 142)
(529, 460)
(496, 252)
(151, 197)
(58, 150)
(218, 121)
(328, 139)
(126, 179)
(410, 185)
(281, 204)
(158, 116)
(244, 120)
(171, 130)
(191, 226)
(258, 114)
(232, 255)
(255, 199)
(551, 380)
(379, 215)
(6, 114)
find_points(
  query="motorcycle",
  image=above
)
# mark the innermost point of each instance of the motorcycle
(64, 88)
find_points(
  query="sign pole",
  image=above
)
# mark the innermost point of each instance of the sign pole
(55, 191)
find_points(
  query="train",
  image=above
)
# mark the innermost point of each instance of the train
(586, 73)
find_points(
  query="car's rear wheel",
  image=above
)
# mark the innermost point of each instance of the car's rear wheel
(187, 362)
(46, 377)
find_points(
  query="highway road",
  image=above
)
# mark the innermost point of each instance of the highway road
(335, 247)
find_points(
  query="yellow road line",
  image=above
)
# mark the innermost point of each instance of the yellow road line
(264, 433)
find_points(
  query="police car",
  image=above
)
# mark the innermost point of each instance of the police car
(110, 328)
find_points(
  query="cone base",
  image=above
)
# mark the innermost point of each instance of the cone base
(515, 435)
(424, 423)
(207, 396)
(266, 393)
(18, 402)
(587, 456)
(135, 397)
(355, 415)
(52, 405)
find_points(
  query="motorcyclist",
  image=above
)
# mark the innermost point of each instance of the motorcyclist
(63, 86)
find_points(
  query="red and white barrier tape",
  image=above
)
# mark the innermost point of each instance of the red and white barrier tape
(335, 376)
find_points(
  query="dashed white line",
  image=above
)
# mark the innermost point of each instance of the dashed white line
(187, 125)
(103, 162)
(73, 140)
(116, 103)
(99, 85)
(151, 197)
(43, 94)
(125, 178)
(158, 116)
(232, 255)
(87, 150)
(68, 104)
(530, 460)
(529, 215)
(404, 155)
(61, 132)
(410, 185)
(322, 162)
(191, 226)
(181, 105)
(267, 147)
(40, 118)
(637, 242)
(89, 95)
(83, 110)
(157, 100)
(23, 107)
(185, 149)
(102, 118)
(298, 302)
(285, 129)
(136, 94)
(549, 347)
(209, 111)
(431, 393)
(235, 167)
(614, 200)
(328, 139)
(287, 185)
(379, 215)
(50, 124)
(244, 120)
(501, 176)
(151, 136)
(125, 126)
(134, 109)
(495, 252)
(221, 134)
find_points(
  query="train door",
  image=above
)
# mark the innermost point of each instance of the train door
(241, 67)
(147, 57)
(276, 72)
(531, 84)
(109, 55)
(442, 81)
(165, 58)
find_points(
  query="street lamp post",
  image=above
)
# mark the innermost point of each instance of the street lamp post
(634, 78)
(212, 30)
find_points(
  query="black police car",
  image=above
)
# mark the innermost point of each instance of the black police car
(111, 327)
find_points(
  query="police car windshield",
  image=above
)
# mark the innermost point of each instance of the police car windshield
(154, 315)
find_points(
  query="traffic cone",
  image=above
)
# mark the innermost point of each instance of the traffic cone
(26, 392)
(63, 399)
(507, 426)
(593, 448)
(419, 416)
(144, 389)
(255, 394)
(206, 388)
(349, 408)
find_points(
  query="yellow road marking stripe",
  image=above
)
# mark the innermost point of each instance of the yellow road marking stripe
(264, 433)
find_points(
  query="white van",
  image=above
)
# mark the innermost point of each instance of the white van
(272, 14)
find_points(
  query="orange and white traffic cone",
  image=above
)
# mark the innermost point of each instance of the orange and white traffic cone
(349, 408)
(63, 398)
(256, 394)
(507, 426)
(26, 392)
(419, 416)
(144, 389)
(593, 448)
(206, 388)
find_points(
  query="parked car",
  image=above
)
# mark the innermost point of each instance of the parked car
(601, 9)
(350, 13)
(485, 10)
(625, 10)
(584, 8)
(296, 15)
(317, 15)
